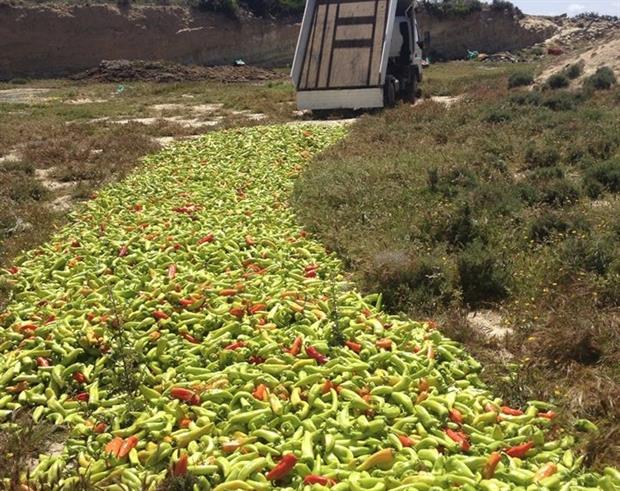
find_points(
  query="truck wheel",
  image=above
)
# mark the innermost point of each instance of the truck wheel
(411, 91)
(389, 91)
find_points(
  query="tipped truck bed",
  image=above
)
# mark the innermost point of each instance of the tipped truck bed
(342, 53)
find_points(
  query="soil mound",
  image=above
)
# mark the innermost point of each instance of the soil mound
(161, 71)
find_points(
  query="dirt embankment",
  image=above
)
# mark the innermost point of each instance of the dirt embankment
(51, 40)
(488, 31)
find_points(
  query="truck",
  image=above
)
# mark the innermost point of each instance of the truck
(358, 54)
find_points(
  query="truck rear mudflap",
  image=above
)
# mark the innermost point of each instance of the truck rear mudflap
(362, 98)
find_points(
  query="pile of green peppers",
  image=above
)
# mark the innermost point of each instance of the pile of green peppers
(183, 326)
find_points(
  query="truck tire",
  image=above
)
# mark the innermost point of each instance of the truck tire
(411, 90)
(389, 92)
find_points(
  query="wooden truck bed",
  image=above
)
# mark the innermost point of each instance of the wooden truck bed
(342, 52)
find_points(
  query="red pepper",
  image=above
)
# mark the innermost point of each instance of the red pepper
(185, 395)
(82, 396)
(79, 377)
(491, 464)
(456, 416)
(312, 352)
(547, 415)
(510, 411)
(184, 422)
(423, 385)
(430, 353)
(13, 270)
(42, 362)
(283, 468)
(180, 466)
(160, 315)
(256, 360)
(207, 238)
(228, 292)
(296, 346)
(406, 441)
(127, 445)
(190, 338)
(260, 392)
(237, 312)
(172, 271)
(137, 207)
(235, 345)
(519, 451)
(353, 346)
(459, 437)
(100, 427)
(328, 385)
(258, 307)
(249, 240)
(123, 251)
(186, 302)
(310, 274)
(385, 343)
(322, 480)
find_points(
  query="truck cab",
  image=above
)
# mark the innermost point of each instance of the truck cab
(357, 54)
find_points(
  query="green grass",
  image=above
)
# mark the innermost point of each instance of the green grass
(488, 204)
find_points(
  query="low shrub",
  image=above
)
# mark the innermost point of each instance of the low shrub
(421, 282)
(559, 192)
(561, 101)
(547, 173)
(574, 71)
(498, 115)
(520, 79)
(603, 79)
(558, 81)
(536, 156)
(452, 8)
(26, 189)
(591, 254)
(482, 277)
(606, 174)
(547, 225)
(528, 98)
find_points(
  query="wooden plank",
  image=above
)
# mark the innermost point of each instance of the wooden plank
(374, 70)
(328, 48)
(312, 59)
(350, 67)
(347, 32)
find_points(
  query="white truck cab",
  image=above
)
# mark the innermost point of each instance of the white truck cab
(357, 54)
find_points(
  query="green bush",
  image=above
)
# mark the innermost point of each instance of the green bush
(547, 173)
(422, 282)
(527, 98)
(228, 7)
(546, 156)
(603, 79)
(574, 71)
(546, 225)
(498, 115)
(520, 79)
(506, 6)
(606, 174)
(482, 277)
(561, 101)
(559, 192)
(558, 81)
(452, 8)
(592, 254)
